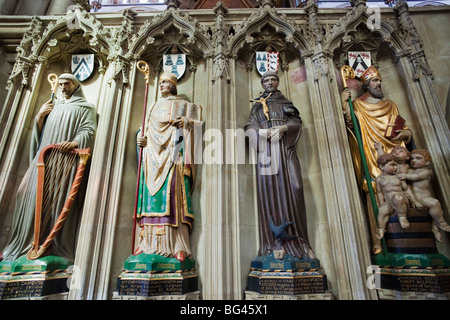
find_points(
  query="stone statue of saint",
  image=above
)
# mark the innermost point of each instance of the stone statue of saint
(373, 112)
(70, 122)
(274, 127)
(164, 211)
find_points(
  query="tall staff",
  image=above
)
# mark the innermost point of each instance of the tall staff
(53, 80)
(144, 68)
(347, 72)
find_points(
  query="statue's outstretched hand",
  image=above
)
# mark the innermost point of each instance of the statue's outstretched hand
(403, 135)
(401, 176)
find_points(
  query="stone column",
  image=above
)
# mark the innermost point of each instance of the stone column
(97, 227)
(348, 228)
(221, 278)
(217, 282)
(16, 117)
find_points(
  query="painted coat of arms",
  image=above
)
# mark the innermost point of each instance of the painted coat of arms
(267, 61)
(359, 61)
(175, 63)
(82, 66)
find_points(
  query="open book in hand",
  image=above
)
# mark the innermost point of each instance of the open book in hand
(186, 109)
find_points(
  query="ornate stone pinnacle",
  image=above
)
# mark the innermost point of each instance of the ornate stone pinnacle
(356, 3)
(220, 8)
(172, 4)
(311, 6)
(267, 4)
(84, 4)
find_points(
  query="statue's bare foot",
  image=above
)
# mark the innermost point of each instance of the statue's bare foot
(279, 254)
(403, 222)
(437, 233)
(380, 233)
(443, 225)
(311, 254)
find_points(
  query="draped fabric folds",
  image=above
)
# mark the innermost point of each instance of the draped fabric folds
(71, 119)
(164, 206)
(373, 117)
(279, 178)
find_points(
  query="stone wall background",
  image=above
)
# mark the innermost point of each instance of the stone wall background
(224, 239)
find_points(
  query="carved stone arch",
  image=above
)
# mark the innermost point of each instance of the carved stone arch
(77, 32)
(360, 33)
(171, 28)
(353, 18)
(268, 28)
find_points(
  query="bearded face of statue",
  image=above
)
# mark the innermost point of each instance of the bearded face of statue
(67, 87)
(374, 88)
(270, 83)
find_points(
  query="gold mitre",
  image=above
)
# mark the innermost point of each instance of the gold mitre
(168, 76)
(369, 74)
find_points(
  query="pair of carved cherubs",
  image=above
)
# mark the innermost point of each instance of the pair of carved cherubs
(405, 182)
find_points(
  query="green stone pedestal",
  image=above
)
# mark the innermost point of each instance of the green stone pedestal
(150, 275)
(409, 260)
(24, 278)
(411, 274)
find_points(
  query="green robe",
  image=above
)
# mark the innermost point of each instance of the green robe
(164, 209)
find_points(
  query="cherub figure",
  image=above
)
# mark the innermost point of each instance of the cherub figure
(390, 193)
(401, 156)
(419, 175)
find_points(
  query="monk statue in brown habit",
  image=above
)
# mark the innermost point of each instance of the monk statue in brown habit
(274, 128)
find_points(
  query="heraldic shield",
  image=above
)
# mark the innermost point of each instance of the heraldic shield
(175, 63)
(82, 66)
(267, 61)
(359, 61)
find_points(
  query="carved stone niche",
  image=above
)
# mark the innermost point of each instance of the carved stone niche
(59, 47)
(63, 45)
(362, 39)
(171, 40)
(268, 39)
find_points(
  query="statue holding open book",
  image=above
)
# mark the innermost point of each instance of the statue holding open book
(164, 212)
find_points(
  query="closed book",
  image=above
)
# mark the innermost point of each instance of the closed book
(395, 123)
